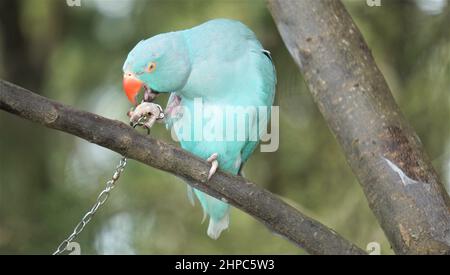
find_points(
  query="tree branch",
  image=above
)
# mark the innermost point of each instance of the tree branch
(385, 153)
(278, 216)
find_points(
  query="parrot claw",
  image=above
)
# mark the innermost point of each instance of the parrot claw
(152, 111)
(214, 165)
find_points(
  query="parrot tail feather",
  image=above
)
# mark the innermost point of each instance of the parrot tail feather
(216, 227)
(190, 194)
(217, 210)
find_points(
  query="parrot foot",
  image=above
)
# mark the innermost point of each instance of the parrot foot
(214, 164)
(152, 111)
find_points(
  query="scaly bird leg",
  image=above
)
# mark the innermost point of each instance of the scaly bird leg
(214, 164)
(151, 110)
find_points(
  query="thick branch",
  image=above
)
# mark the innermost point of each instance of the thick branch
(117, 136)
(402, 188)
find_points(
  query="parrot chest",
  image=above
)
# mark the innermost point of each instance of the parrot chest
(204, 128)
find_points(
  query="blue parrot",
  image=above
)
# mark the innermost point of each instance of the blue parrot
(209, 69)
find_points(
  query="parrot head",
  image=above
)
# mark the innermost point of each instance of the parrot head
(159, 64)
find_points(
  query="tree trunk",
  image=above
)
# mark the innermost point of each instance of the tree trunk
(384, 152)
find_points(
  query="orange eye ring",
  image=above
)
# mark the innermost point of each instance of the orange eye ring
(151, 67)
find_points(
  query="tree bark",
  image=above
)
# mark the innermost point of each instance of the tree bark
(278, 216)
(384, 152)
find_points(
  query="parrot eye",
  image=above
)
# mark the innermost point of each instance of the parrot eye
(151, 67)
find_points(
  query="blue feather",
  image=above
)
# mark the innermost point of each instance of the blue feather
(222, 63)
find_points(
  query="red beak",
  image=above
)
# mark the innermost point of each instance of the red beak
(131, 86)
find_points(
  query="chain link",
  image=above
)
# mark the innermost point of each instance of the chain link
(101, 199)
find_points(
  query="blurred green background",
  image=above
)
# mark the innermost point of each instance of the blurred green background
(75, 54)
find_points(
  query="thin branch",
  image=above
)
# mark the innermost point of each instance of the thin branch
(278, 216)
(385, 153)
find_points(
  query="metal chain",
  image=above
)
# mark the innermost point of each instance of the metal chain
(101, 199)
